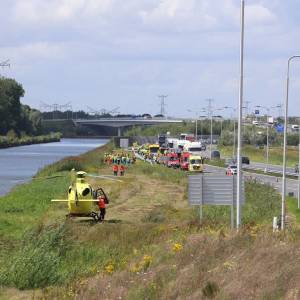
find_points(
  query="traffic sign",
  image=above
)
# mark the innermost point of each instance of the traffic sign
(280, 128)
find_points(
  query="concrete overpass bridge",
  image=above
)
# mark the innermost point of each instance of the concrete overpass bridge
(121, 123)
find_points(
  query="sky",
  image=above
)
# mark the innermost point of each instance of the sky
(114, 53)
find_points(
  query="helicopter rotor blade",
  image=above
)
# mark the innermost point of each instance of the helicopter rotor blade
(48, 177)
(59, 200)
(108, 177)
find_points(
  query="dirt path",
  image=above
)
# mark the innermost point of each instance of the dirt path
(137, 195)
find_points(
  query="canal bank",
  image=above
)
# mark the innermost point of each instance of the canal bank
(9, 142)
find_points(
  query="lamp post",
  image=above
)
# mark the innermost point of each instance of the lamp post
(209, 111)
(200, 118)
(268, 144)
(268, 113)
(285, 142)
(298, 170)
(240, 115)
(196, 123)
(234, 111)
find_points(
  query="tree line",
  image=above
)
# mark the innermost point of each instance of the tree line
(16, 119)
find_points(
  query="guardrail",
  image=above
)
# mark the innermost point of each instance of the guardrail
(270, 170)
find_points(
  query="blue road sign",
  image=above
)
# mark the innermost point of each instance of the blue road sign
(257, 112)
(280, 128)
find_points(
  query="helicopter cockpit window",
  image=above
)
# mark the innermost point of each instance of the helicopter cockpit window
(85, 192)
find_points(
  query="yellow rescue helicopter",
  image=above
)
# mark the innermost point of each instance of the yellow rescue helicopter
(82, 198)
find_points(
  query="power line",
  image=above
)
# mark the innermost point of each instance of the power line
(55, 108)
(104, 111)
(209, 107)
(162, 104)
(5, 63)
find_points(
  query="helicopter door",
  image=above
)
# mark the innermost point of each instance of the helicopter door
(99, 192)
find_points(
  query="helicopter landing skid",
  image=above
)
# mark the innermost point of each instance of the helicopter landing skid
(95, 216)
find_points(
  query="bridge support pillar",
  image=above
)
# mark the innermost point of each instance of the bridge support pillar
(119, 131)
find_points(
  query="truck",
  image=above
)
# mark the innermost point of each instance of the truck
(153, 148)
(196, 163)
(162, 140)
(180, 144)
(194, 148)
(187, 136)
(184, 161)
(172, 160)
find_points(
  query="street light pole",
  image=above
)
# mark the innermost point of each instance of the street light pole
(267, 124)
(211, 128)
(285, 142)
(196, 133)
(240, 115)
(267, 167)
(234, 112)
(298, 170)
(196, 123)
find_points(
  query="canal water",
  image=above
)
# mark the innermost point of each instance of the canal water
(19, 164)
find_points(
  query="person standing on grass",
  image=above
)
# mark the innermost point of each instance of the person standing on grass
(122, 170)
(115, 170)
(102, 208)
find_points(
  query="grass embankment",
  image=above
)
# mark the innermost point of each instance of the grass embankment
(6, 142)
(292, 207)
(259, 155)
(151, 246)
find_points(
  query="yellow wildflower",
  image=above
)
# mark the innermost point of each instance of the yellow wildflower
(177, 247)
(109, 268)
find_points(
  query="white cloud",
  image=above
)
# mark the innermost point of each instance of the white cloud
(195, 15)
(176, 15)
(43, 11)
(30, 52)
(128, 50)
(257, 13)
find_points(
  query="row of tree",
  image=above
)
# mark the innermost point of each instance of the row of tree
(16, 118)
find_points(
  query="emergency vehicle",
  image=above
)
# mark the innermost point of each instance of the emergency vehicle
(184, 161)
(196, 163)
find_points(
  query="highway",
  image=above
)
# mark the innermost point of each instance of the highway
(276, 182)
(277, 169)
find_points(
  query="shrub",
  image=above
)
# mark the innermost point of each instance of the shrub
(210, 290)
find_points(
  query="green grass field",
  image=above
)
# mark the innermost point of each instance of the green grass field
(150, 240)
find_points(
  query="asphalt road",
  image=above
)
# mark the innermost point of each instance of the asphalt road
(276, 182)
(271, 168)
(277, 169)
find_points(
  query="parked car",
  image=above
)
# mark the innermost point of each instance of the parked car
(245, 160)
(233, 161)
(231, 170)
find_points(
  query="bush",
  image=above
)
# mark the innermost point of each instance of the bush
(210, 290)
